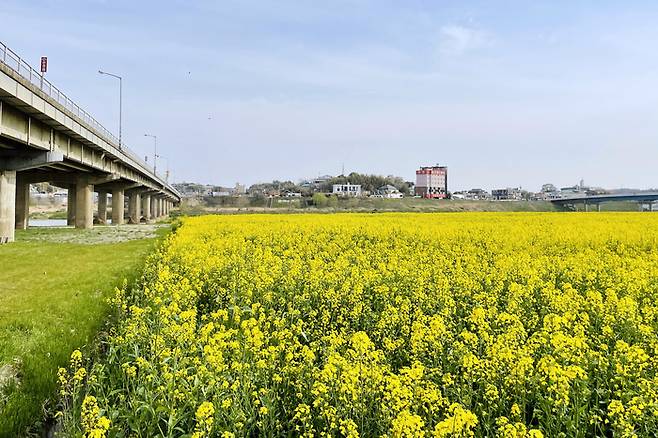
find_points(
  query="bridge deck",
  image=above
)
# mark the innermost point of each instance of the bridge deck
(46, 137)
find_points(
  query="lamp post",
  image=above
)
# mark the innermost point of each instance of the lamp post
(120, 98)
(155, 150)
(166, 160)
(167, 167)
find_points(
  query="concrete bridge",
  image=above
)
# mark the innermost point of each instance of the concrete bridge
(46, 137)
(641, 198)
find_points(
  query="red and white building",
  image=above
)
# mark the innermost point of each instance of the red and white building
(432, 182)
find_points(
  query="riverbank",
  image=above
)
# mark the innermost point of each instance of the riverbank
(196, 206)
(53, 286)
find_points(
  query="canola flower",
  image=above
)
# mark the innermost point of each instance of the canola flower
(400, 325)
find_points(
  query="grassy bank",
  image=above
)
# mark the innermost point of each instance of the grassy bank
(54, 214)
(52, 300)
(194, 207)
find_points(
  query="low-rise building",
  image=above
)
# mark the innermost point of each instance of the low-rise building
(506, 194)
(348, 189)
(478, 194)
(388, 191)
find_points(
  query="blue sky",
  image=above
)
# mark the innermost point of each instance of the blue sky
(506, 93)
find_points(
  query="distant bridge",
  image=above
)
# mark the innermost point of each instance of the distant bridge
(587, 200)
(46, 137)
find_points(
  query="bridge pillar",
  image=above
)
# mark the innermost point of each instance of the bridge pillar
(134, 212)
(84, 203)
(70, 205)
(7, 205)
(117, 206)
(22, 202)
(146, 207)
(102, 207)
(598, 207)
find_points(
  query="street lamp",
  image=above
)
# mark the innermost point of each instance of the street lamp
(120, 98)
(155, 149)
(166, 166)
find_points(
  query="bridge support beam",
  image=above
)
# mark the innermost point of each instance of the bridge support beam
(117, 206)
(84, 204)
(7, 205)
(146, 207)
(22, 202)
(134, 210)
(70, 205)
(102, 207)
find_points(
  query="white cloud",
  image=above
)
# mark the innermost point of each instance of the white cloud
(457, 40)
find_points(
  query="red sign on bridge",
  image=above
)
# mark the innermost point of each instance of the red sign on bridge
(44, 64)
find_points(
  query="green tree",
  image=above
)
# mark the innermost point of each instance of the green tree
(320, 200)
(368, 183)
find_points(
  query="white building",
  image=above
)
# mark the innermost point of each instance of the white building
(346, 189)
(389, 191)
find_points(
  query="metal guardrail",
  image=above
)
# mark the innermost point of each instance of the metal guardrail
(20, 66)
(25, 70)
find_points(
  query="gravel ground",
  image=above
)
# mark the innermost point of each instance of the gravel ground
(97, 235)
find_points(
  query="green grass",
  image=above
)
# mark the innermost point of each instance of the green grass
(52, 301)
(193, 207)
(58, 214)
(440, 205)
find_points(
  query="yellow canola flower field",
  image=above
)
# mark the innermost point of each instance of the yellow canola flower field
(403, 325)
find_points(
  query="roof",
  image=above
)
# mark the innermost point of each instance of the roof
(388, 188)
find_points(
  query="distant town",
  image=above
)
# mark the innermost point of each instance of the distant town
(431, 183)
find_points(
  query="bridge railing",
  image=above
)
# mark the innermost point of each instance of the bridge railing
(20, 66)
(24, 69)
